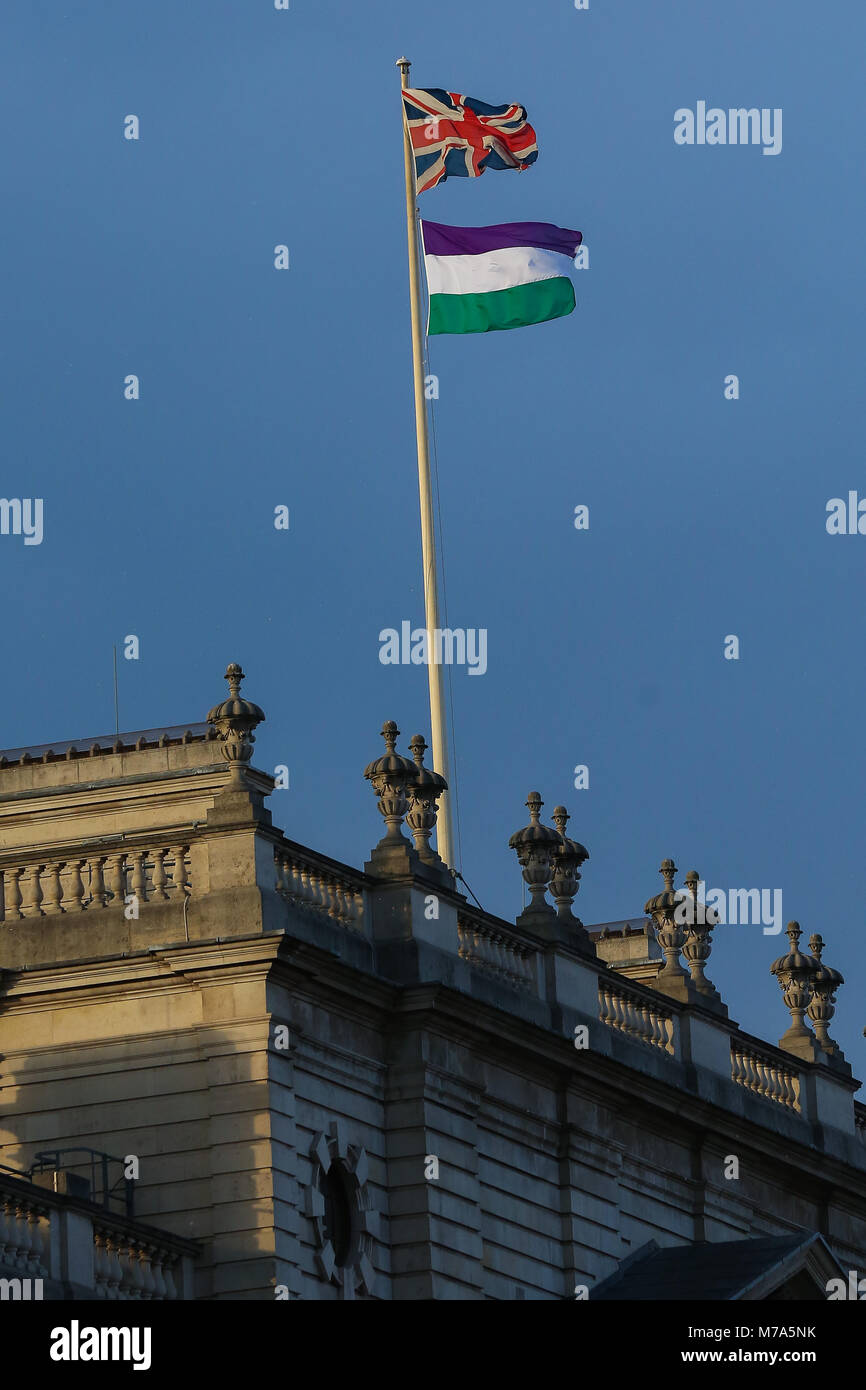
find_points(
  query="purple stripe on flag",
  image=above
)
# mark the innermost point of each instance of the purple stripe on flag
(440, 240)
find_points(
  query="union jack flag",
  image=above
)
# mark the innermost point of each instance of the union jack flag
(458, 135)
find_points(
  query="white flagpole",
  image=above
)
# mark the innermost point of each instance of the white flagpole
(438, 736)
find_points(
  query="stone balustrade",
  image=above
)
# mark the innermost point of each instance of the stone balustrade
(77, 1249)
(127, 1268)
(636, 1014)
(321, 886)
(764, 1074)
(497, 952)
(25, 1235)
(76, 881)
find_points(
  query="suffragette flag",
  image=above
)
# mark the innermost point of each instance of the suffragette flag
(507, 276)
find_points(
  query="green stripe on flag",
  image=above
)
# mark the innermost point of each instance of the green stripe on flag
(512, 308)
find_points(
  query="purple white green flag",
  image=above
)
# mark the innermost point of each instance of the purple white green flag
(485, 278)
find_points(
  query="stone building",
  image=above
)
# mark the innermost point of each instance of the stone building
(315, 1081)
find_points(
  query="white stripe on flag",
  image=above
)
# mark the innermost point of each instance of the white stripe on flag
(494, 270)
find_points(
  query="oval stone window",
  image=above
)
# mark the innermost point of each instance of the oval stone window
(338, 1212)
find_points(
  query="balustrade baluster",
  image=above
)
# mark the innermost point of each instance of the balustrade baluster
(117, 882)
(168, 1274)
(159, 875)
(509, 960)
(615, 1011)
(38, 1242)
(12, 893)
(98, 892)
(179, 876)
(99, 1264)
(329, 899)
(634, 1017)
(138, 878)
(492, 952)
(642, 1023)
(526, 967)
(498, 954)
(604, 1009)
(749, 1072)
(135, 1273)
(33, 898)
(156, 1272)
(52, 888)
(148, 1280)
(5, 1232)
(114, 1282)
(22, 1236)
(76, 887)
(629, 1014)
(624, 1014)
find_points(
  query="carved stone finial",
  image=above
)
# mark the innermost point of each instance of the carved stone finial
(822, 1005)
(419, 746)
(424, 795)
(566, 860)
(534, 846)
(796, 973)
(234, 676)
(700, 921)
(391, 775)
(234, 721)
(667, 920)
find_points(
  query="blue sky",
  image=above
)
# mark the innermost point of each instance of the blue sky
(259, 387)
